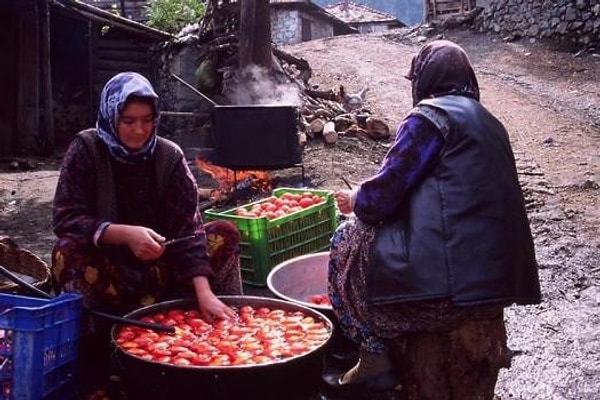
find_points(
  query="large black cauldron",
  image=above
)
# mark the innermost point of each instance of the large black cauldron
(296, 378)
(256, 137)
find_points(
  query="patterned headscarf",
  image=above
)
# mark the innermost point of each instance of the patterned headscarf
(442, 67)
(114, 95)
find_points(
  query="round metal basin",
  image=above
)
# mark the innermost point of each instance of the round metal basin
(299, 278)
(294, 378)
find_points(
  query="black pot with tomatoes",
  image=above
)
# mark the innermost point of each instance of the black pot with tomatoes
(274, 349)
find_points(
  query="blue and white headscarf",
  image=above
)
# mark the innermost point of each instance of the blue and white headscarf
(114, 95)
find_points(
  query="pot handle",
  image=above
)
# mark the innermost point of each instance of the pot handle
(10, 275)
(193, 89)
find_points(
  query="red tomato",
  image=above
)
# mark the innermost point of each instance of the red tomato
(163, 359)
(181, 361)
(158, 345)
(129, 345)
(220, 360)
(258, 359)
(143, 341)
(305, 202)
(202, 359)
(137, 351)
(299, 348)
(319, 299)
(187, 355)
(226, 347)
(178, 349)
(252, 347)
(246, 310)
(125, 335)
(161, 352)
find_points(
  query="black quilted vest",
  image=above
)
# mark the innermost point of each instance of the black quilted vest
(465, 235)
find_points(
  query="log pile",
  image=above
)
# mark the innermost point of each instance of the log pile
(331, 113)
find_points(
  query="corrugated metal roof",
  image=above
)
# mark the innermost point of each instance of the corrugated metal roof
(352, 13)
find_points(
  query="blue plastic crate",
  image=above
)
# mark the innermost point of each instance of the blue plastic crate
(38, 346)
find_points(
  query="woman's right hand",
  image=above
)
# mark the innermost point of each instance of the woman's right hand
(344, 201)
(210, 305)
(144, 242)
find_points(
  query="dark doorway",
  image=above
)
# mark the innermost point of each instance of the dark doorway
(8, 81)
(306, 30)
(70, 41)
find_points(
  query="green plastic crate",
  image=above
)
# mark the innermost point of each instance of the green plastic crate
(265, 243)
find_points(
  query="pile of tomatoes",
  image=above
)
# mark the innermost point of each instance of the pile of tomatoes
(257, 335)
(275, 207)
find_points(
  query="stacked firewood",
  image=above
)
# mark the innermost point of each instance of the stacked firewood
(332, 113)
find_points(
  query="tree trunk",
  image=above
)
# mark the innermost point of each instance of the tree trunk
(255, 34)
(461, 364)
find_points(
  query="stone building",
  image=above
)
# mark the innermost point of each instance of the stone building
(299, 21)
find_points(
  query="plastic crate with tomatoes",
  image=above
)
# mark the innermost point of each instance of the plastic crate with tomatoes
(289, 223)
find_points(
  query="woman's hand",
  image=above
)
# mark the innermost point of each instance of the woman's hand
(344, 201)
(143, 242)
(210, 306)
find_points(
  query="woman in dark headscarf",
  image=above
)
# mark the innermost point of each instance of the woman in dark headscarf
(441, 236)
(122, 192)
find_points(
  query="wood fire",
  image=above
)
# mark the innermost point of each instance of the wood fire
(230, 181)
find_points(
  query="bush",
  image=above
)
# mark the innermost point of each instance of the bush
(172, 15)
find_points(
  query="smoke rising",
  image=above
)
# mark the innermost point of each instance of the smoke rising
(254, 85)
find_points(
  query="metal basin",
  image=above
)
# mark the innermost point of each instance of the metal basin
(299, 278)
(295, 378)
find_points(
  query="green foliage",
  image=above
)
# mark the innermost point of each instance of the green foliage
(172, 15)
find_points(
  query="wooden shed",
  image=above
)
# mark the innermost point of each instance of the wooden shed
(440, 9)
(59, 54)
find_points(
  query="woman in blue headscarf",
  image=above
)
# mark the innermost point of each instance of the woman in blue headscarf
(122, 192)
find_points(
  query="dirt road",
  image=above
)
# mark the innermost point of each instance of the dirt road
(550, 103)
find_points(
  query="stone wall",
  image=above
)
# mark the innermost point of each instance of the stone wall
(286, 27)
(576, 21)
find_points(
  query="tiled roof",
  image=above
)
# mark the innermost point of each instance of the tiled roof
(350, 12)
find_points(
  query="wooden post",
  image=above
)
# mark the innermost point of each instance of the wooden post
(255, 34)
(47, 140)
